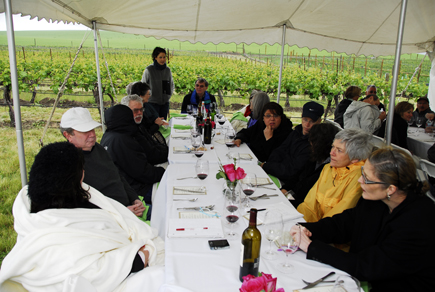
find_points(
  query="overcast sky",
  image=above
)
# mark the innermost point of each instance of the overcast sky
(24, 23)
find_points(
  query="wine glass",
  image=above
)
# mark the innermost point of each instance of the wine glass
(346, 283)
(419, 122)
(195, 140)
(249, 185)
(189, 109)
(202, 168)
(221, 120)
(194, 111)
(273, 230)
(231, 210)
(229, 139)
(289, 244)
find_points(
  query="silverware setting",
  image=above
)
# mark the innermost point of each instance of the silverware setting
(186, 199)
(308, 283)
(187, 177)
(263, 187)
(205, 208)
(202, 191)
(264, 196)
(311, 285)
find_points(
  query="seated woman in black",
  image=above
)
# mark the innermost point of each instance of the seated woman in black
(320, 137)
(268, 133)
(402, 114)
(390, 229)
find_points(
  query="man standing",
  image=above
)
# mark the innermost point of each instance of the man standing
(421, 111)
(371, 89)
(364, 114)
(286, 161)
(199, 95)
(78, 127)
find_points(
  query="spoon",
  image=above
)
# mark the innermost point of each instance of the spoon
(185, 199)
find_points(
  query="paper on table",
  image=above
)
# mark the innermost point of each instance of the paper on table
(182, 131)
(181, 149)
(181, 135)
(261, 181)
(245, 156)
(194, 228)
(183, 190)
(316, 289)
(198, 215)
(287, 212)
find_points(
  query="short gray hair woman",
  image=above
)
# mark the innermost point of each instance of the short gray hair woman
(259, 99)
(337, 188)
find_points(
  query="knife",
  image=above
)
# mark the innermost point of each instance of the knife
(318, 281)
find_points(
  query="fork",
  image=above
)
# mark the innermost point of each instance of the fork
(187, 177)
(308, 283)
(263, 196)
(185, 199)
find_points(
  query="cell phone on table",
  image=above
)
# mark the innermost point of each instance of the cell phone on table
(218, 244)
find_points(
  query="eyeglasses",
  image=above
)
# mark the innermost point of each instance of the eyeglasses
(138, 110)
(269, 116)
(200, 86)
(370, 182)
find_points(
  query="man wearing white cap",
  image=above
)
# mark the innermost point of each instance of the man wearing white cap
(78, 127)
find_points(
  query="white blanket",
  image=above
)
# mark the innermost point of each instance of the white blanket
(97, 244)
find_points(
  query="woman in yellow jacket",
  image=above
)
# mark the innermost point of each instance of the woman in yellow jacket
(337, 188)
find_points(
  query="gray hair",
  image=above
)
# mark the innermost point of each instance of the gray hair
(129, 86)
(259, 99)
(358, 143)
(134, 97)
(68, 130)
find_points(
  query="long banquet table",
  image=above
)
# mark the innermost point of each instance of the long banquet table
(190, 265)
(419, 142)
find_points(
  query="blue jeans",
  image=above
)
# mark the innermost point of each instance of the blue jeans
(161, 109)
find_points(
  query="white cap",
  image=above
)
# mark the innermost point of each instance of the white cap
(79, 119)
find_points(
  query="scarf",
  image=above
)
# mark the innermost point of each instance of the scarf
(206, 100)
(158, 66)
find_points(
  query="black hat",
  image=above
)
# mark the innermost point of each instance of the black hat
(312, 110)
(423, 98)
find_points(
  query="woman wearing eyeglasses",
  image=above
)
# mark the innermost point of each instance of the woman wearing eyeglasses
(390, 229)
(268, 133)
(337, 188)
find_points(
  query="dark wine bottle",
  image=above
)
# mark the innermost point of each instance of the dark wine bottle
(250, 249)
(207, 130)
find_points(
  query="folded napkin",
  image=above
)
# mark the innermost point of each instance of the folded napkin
(175, 115)
(165, 131)
(180, 135)
(182, 127)
(183, 190)
(180, 149)
(275, 180)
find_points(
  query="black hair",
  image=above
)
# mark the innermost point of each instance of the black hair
(140, 88)
(157, 51)
(321, 137)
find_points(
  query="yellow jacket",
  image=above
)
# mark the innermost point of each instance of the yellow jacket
(336, 190)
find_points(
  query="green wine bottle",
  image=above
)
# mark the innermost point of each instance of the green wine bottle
(250, 249)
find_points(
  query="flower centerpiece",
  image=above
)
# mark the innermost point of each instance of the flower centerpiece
(231, 174)
(265, 283)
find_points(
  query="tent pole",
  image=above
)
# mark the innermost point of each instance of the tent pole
(281, 62)
(100, 91)
(15, 93)
(395, 72)
(431, 91)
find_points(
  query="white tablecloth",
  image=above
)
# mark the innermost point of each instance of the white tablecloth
(419, 142)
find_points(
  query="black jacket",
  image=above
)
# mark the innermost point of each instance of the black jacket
(286, 161)
(399, 131)
(394, 252)
(186, 101)
(122, 140)
(340, 110)
(254, 137)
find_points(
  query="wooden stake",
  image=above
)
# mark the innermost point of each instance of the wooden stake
(365, 70)
(24, 54)
(382, 66)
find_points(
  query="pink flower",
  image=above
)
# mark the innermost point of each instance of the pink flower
(240, 173)
(253, 284)
(230, 172)
(270, 282)
(228, 167)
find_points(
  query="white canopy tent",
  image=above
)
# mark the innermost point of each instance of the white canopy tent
(367, 27)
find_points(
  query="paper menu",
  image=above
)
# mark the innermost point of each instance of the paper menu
(261, 181)
(185, 190)
(195, 228)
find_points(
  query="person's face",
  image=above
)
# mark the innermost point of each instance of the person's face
(307, 124)
(146, 97)
(161, 58)
(373, 192)
(272, 119)
(137, 108)
(339, 157)
(422, 105)
(83, 140)
(200, 88)
(371, 90)
(407, 115)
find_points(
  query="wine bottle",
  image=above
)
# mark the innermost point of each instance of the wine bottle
(203, 110)
(199, 118)
(250, 249)
(207, 130)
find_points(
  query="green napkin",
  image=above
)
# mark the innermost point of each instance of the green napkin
(275, 180)
(175, 115)
(239, 116)
(182, 127)
(165, 132)
(145, 213)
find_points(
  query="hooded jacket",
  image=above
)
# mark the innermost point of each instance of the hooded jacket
(286, 161)
(261, 147)
(122, 141)
(336, 190)
(362, 115)
(340, 110)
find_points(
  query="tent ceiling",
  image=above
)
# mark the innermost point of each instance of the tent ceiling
(350, 26)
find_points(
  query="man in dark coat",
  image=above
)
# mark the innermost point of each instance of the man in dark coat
(199, 95)
(121, 140)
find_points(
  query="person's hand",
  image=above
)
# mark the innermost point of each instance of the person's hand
(284, 191)
(237, 142)
(305, 235)
(268, 132)
(161, 122)
(430, 116)
(137, 208)
(261, 165)
(147, 255)
(429, 129)
(382, 116)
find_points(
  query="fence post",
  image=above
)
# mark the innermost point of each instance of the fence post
(365, 70)
(332, 61)
(24, 54)
(353, 65)
(323, 63)
(382, 66)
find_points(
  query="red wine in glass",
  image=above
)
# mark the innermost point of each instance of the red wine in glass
(221, 122)
(232, 208)
(229, 144)
(199, 154)
(248, 192)
(232, 218)
(202, 176)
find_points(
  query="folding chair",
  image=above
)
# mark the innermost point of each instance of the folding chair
(428, 169)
